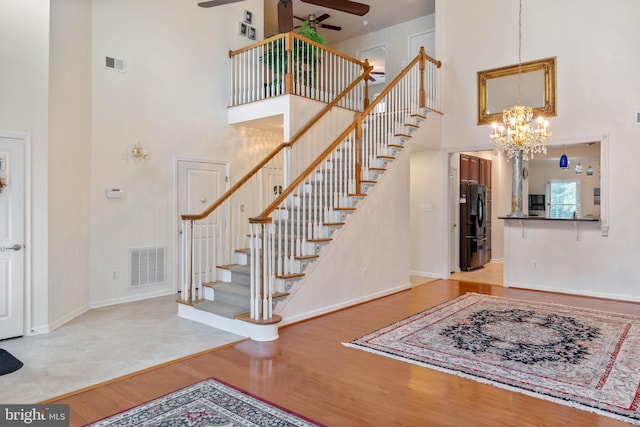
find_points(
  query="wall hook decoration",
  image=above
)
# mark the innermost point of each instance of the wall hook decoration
(3, 183)
(138, 152)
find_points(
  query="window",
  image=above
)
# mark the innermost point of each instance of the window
(563, 197)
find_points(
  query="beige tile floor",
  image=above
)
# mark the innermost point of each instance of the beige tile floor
(103, 344)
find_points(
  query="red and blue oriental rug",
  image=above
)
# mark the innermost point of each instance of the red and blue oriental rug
(207, 403)
(583, 358)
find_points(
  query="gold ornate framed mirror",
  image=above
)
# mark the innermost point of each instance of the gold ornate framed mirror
(498, 89)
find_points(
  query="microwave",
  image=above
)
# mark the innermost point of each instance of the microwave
(536, 202)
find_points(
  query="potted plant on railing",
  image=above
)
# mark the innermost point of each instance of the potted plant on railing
(305, 60)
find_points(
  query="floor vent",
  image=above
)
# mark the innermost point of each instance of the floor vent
(146, 266)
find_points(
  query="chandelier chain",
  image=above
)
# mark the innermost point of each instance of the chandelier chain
(519, 51)
(517, 134)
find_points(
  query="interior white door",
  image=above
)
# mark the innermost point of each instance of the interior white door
(201, 183)
(12, 199)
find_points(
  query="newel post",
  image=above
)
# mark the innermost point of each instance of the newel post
(288, 78)
(423, 66)
(358, 143)
(367, 73)
(191, 262)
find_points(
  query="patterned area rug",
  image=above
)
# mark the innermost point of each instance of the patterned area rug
(583, 358)
(207, 403)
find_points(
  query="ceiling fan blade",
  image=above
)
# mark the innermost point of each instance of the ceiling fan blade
(212, 3)
(302, 19)
(285, 17)
(323, 17)
(331, 27)
(347, 6)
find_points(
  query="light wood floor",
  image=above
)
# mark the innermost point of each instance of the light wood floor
(310, 372)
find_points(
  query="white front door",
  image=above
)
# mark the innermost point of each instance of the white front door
(12, 197)
(200, 183)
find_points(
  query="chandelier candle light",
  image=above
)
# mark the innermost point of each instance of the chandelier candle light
(518, 134)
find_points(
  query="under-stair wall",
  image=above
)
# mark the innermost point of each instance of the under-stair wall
(368, 257)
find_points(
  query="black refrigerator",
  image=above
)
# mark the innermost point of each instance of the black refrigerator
(474, 245)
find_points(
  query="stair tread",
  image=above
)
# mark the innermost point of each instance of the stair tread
(290, 276)
(246, 317)
(232, 288)
(420, 116)
(411, 125)
(221, 308)
(403, 134)
(385, 157)
(235, 268)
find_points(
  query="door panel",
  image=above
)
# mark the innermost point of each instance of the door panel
(200, 184)
(12, 238)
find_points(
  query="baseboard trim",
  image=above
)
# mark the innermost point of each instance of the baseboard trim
(132, 298)
(576, 292)
(336, 307)
(67, 318)
(427, 274)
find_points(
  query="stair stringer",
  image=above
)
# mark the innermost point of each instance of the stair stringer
(368, 258)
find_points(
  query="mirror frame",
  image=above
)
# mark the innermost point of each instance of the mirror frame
(548, 65)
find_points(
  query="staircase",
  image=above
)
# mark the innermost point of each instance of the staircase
(274, 254)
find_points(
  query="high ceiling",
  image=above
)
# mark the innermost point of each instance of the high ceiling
(383, 13)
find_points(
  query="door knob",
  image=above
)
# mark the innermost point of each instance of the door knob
(15, 247)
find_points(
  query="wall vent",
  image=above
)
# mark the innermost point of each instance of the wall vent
(146, 266)
(114, 64)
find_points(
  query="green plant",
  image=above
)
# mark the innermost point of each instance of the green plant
(309, 32)
(305, 57)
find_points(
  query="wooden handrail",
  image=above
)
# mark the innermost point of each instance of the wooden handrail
(233, 53)
(264, 216)
(275, 152)
(326, 109)
(399, 77)
(235, 187)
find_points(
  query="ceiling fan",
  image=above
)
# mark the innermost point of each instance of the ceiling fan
(285, 9)
(316, 22)
(380, 73)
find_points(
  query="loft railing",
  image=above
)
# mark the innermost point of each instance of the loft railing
(291, 64)
(212, 238)
(306, 209)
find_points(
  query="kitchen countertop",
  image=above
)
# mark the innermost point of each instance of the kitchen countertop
(541, 218)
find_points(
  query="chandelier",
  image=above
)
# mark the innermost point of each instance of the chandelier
(517, 133)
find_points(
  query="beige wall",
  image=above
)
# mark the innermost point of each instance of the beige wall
(596, 79)
(24, 85)
(172, 100)
(69, 159)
